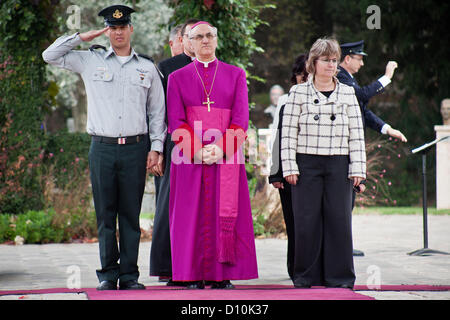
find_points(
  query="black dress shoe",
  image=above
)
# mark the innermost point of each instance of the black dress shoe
(131, 285)
(193, 285)
(172, 283)
(107, 285)
(164, 279)
(344, 286)
(302, 285)
(358, 253)
(225, 284)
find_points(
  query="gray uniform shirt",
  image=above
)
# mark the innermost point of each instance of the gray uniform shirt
(120, 96)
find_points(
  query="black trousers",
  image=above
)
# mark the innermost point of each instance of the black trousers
(288, 215)
(160, 252)
(118, 174)
(321, 202)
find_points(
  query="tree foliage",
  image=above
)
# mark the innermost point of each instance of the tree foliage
(24, 27)
(412, 33)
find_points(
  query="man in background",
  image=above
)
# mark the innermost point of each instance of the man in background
(351, 61)
(160, 253)
(175, 43)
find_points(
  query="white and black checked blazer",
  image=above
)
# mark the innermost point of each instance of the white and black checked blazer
(315, 124)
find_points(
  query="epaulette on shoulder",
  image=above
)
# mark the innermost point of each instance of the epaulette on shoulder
(96, 46)
(152, 61)
(146, 57)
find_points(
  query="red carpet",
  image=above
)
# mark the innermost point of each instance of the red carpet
(242, 292)
(266, 292)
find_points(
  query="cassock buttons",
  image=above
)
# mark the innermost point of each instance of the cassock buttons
(316, 101)
(316, 117)
(333, 117)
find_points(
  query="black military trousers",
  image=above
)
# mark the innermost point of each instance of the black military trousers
(160, 252)
(321, 202)
(118, 174)
(288, 215)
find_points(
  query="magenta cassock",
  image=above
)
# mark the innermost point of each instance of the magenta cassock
(210, 216)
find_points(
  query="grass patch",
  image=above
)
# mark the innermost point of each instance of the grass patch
(399, 210)
(147, 215)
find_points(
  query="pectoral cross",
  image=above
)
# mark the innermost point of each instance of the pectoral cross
(208, 103)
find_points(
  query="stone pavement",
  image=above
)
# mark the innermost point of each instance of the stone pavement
(384, 239)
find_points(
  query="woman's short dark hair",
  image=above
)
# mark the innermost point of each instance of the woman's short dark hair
(299, 68)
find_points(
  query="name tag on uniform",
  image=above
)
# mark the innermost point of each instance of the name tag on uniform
(102, 74)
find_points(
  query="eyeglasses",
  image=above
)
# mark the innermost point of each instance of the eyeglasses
(199, 37)
(333, 61)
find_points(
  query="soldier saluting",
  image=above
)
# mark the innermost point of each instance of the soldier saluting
(123, 88)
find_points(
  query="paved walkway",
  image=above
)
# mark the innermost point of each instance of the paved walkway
(385, 240)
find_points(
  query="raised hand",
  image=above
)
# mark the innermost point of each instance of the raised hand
(390, 68)
(92, 34)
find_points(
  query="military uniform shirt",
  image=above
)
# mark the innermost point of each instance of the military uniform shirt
(119, 95)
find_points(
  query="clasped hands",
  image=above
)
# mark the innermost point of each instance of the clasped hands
(209, 154)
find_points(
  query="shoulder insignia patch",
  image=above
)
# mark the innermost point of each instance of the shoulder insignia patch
(97, 46)
(146, 57)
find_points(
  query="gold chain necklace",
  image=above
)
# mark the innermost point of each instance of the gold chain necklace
(208, 102)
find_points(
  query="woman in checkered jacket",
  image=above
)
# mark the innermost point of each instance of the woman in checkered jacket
(323, 156)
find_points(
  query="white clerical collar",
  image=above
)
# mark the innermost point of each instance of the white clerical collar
(206, 63)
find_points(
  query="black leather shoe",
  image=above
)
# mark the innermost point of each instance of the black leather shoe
(164, 279)
(344, 286)
(302, 286)
(225, 284)
(107, 285)
(131, 285)
(358, 253)
(172, 283)
(195, 285)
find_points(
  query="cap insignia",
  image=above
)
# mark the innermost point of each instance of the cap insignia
(117, 14)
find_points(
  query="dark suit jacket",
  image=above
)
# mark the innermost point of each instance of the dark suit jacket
(170, 65)
(363, 94)
(278, 176)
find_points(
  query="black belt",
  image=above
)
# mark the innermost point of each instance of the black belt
(119, 140)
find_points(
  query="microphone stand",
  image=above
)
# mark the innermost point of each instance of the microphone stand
(423, 150)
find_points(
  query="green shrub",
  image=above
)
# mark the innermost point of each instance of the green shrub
(6, 231)
(36, 227)
(47, 226)
(25, 29)
(67, 153)
(258, 225)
